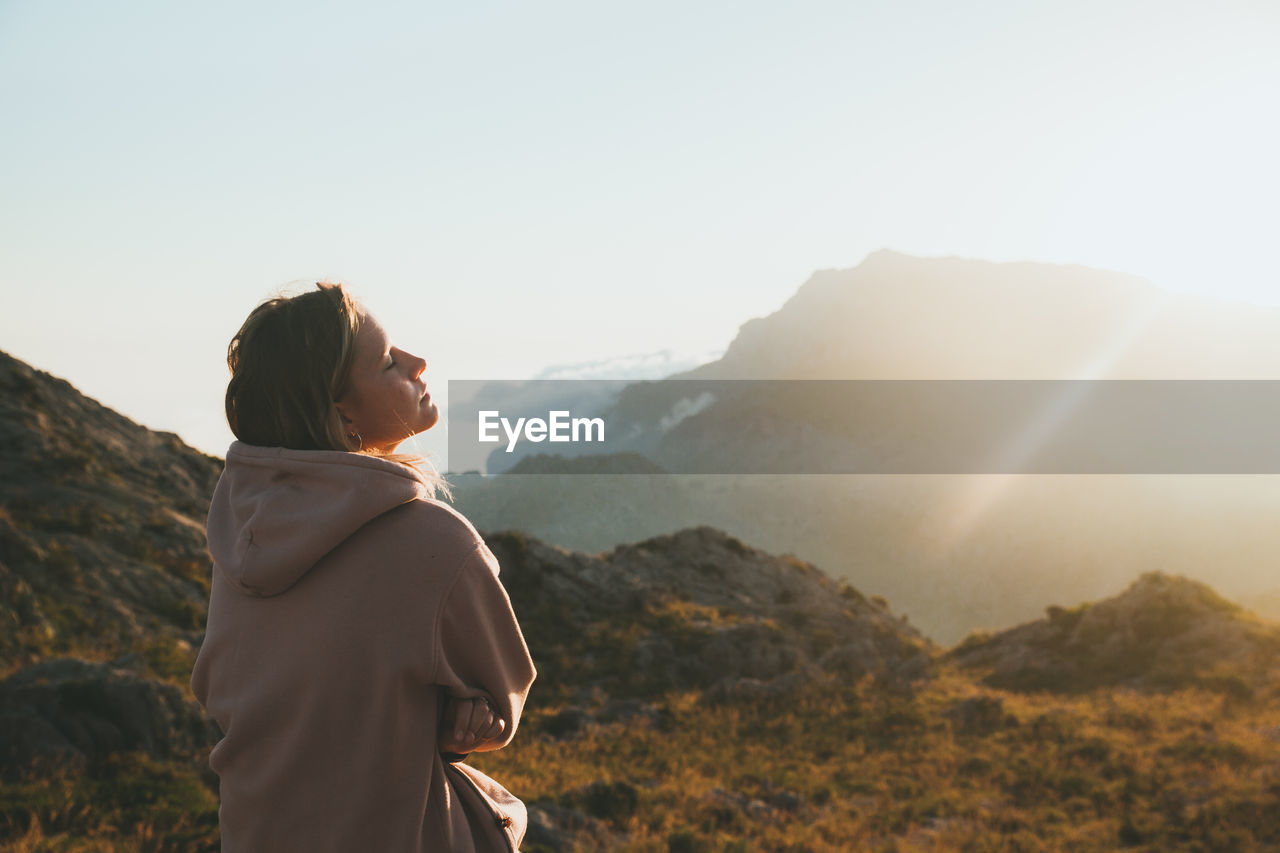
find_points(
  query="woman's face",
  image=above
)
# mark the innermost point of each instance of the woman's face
(385, 401)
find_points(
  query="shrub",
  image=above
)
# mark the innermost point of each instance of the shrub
(684, 841)
(615, 802)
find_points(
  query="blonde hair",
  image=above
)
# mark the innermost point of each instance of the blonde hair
(289, 362)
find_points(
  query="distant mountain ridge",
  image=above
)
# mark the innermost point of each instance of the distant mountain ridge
(934, 545)
(897, 316)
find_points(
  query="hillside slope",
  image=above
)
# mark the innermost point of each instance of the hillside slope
(102, 546)
(697, 609)
(1162, 632)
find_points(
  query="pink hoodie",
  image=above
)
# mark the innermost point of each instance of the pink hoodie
(346, 604)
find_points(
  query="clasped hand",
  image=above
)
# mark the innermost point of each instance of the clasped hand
(467, 725)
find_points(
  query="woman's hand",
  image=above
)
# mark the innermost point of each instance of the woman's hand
(468, 724)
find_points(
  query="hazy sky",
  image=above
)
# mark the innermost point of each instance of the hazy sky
(511, 186)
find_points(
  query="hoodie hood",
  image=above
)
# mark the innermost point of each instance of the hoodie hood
(276, 511)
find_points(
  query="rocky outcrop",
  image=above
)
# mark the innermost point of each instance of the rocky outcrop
(699, 608)
(1162, 632)
(63, 716)
(102, 547)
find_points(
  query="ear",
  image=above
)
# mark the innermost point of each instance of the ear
(343, 414)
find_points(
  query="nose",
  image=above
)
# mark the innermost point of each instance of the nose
(416, 366)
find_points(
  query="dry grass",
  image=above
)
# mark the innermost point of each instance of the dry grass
(858, 768)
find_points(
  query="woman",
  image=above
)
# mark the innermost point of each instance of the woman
(359, 642)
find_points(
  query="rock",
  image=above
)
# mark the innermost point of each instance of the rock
(751, 807)
(751, 690)
(751, 650)
(133, 662)
(611, 801)
(786, 801)
(555, 827)
(542, 830)
(568, 721)
(60, 716)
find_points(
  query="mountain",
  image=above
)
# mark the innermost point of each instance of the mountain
(936, 545)
(102, 546)
(898, 316)
(1162, 632)
(698, 609)
(649, 365)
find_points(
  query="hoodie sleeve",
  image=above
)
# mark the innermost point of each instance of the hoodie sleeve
(480, 650)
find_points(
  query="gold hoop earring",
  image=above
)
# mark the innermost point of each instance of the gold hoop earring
(358, 438)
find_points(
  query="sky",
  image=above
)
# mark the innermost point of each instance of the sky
(514, 188)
